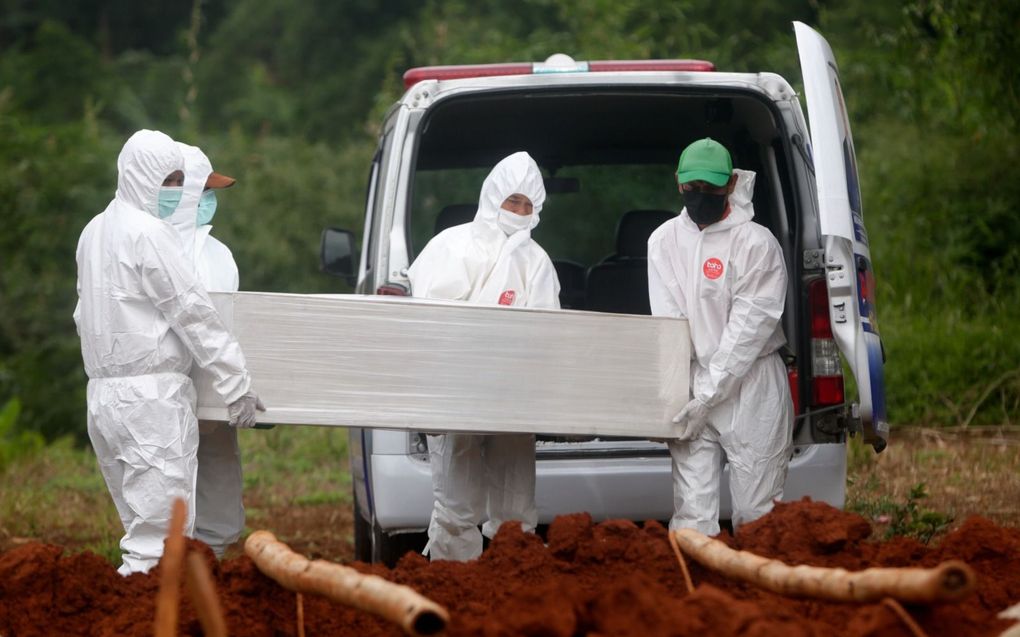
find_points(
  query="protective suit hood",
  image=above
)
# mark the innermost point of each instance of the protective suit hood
(477, 262)
(517, 173)
(741, 209)
(145, 161)
(197, 169)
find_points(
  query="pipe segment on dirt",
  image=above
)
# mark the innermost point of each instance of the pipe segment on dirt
(171, 567)
(202, 591)
(948, 582)
(402, 605)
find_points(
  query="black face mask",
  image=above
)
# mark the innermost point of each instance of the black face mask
(704, 208)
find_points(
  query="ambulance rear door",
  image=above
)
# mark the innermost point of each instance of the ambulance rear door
(849, 275)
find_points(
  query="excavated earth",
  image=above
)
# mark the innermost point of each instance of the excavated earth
(612, 578)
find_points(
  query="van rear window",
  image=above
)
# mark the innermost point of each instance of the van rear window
(580, 226)
(608, 155)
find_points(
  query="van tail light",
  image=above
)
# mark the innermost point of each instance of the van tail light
(826, 368)
(391, 290)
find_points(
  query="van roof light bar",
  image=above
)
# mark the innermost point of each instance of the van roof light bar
(557, 63)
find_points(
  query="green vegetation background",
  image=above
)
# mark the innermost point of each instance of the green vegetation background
(287, 95)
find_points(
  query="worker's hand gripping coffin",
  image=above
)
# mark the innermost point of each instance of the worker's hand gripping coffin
(359, 361)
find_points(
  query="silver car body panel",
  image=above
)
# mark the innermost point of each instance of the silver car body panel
(636, 488)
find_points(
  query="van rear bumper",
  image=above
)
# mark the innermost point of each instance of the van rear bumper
(630, 488)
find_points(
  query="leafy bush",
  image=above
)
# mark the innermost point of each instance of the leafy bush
(907, 518)
(938, 144)
(13, 443)
(289, 107)
(54, 178)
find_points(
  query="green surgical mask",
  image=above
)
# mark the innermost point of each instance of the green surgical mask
(169, 197)
(206, 207)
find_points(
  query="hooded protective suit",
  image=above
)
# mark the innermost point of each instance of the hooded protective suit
(143, 318)
(214, 262)
(729, 282)
(219, 511)
(490, 477)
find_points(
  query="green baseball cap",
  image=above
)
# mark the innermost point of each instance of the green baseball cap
(705, 160)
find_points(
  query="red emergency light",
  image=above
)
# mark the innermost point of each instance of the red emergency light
(457, 72)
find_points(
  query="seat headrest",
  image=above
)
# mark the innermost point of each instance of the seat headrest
(570, 272)
(454, 215)
(634, 229)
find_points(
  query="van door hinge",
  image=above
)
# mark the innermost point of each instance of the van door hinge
(813, 259)
(423, 95)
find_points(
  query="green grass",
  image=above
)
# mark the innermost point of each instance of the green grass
(298, 486)
(56, 493)
(302, 465)
(944, 368)
(945, 262)
(963, 472)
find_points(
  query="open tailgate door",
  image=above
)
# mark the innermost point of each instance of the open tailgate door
(849, 276)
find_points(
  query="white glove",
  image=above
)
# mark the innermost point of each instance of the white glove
(242, 410)
(692, 419)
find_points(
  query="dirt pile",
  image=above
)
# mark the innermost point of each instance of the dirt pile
(613, 578)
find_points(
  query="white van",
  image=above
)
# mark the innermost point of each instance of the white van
(607, 136)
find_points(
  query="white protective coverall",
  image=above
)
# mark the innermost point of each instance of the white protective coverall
(143, 318)
(219, 511)
(478, 262)
(729, 282)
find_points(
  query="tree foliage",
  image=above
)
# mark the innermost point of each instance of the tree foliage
(287, 96)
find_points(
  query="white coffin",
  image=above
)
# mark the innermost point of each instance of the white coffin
(399, 363)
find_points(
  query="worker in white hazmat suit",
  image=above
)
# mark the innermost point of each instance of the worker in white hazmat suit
(213, 261)
(490, 261)
(725, 274)
(219, 511)
(143, 319)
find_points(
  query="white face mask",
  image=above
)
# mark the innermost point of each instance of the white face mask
(510, 223)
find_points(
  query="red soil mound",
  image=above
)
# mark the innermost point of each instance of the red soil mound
(613, 578)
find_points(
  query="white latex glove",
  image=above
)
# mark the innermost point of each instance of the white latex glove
(692, 419)
(242, 410)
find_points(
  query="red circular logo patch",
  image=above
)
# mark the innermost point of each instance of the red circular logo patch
(507, 298)
(713, 268)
